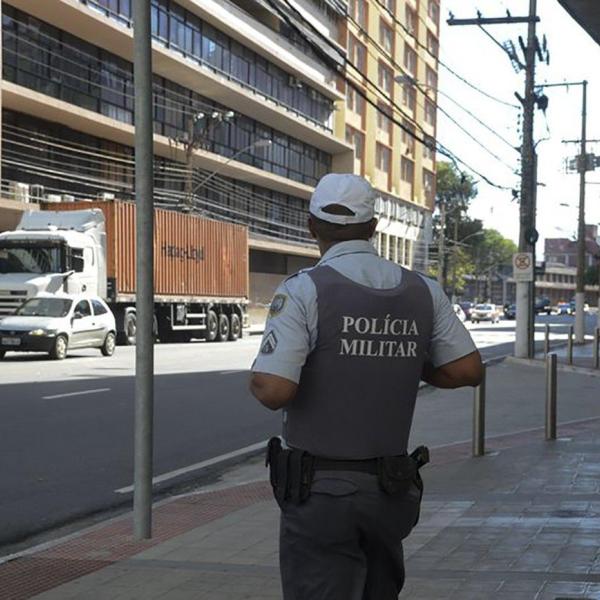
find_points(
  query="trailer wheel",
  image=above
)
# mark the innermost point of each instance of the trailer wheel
(212, 326)
(223, 334)
(235, 327)
(129, 328)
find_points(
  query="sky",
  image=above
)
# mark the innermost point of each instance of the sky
(473, 55)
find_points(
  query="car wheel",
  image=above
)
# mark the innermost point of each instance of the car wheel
(235, 327)
(108, 347)
(212, 326)
(223, 334)
(2, 353)
(60, 347)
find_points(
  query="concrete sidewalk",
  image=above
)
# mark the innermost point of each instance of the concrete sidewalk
(520, 523)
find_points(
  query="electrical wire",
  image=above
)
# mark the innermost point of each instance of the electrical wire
(442, 110)
(441, 148)
(437, 58)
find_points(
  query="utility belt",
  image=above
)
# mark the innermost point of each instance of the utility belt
(292, 471)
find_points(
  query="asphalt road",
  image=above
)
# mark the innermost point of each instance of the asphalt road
(66, 429)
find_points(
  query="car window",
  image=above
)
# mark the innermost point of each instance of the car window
(99, 308)
(83, 307)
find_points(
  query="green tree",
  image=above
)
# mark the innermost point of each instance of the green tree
(454, 192)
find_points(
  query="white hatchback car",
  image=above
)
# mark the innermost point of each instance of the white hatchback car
(57, 324)
(485, 312)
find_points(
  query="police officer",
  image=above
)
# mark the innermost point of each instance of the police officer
(345, 347)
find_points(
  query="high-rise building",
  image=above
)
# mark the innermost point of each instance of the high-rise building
(390, 116)
(244, 122)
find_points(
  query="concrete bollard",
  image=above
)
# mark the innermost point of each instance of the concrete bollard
(479, 417)
(546, 339)
(570, 345)
(551, 382)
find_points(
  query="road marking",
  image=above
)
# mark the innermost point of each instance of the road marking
(82, 393)
(197, 466)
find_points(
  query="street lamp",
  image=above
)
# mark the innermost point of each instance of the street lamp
(260, 143)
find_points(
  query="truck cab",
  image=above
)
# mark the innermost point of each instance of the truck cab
(52, 252)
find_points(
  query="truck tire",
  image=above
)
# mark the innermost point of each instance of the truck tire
(59, 348)
(235, 327)
(212, 326)
(223, 333)
(129, 328)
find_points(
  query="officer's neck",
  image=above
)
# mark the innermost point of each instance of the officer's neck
(325, 246)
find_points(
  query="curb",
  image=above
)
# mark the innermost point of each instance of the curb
(539, 362)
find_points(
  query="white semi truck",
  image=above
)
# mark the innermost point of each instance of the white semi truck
(200, 269)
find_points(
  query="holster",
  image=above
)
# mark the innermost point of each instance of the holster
(397, 474)
(290, 471)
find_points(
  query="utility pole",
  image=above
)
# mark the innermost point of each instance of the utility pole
(580, 286)
(144, 197)
(527, 232)
(441, 245)
(582, 165)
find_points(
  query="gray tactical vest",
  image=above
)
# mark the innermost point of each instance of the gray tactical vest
(357, 390)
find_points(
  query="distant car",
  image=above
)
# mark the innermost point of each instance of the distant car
(485, 312)
(586, 307)
(510, 312)
(57, 324)
(543, 305)
(467, 307)
(459, 312)
(563, 308)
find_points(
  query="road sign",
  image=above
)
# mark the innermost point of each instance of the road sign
(523, 266)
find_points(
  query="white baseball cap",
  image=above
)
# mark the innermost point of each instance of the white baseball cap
(344, 189)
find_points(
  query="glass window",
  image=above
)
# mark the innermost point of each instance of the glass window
(408, 252)
(410, 20)
(430, 112)
(409, 97)
(433, 10)
(83, 308)
(384, 122)
(386, 36)
(45, 307)
(99, 308)
(385, 79)
(383, 158)
(407, 170)
(408, 136)
(429, 148)
(410, 59)
(390, 5)
(431, 78)
(392, 248)
(429, 186)
(362, 13)
(358, 54)
(432, 43)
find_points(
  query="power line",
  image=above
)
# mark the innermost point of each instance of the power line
(451, 71)
(441, 148)
(452, 119)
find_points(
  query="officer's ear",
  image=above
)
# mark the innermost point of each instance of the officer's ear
(311, 227)
(373, 228)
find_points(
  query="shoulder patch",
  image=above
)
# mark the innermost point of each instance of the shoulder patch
(270, 343)
(277, 305)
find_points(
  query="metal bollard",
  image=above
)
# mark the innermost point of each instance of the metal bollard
(546, 339)
(479, 417)
(551, 397)
(570, 345)
(596, 349)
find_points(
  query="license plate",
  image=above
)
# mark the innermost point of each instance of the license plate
(11, 341)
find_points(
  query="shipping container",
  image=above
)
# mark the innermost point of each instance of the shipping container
(201, 274)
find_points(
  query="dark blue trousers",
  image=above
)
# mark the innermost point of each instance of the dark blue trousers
(345, 541)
